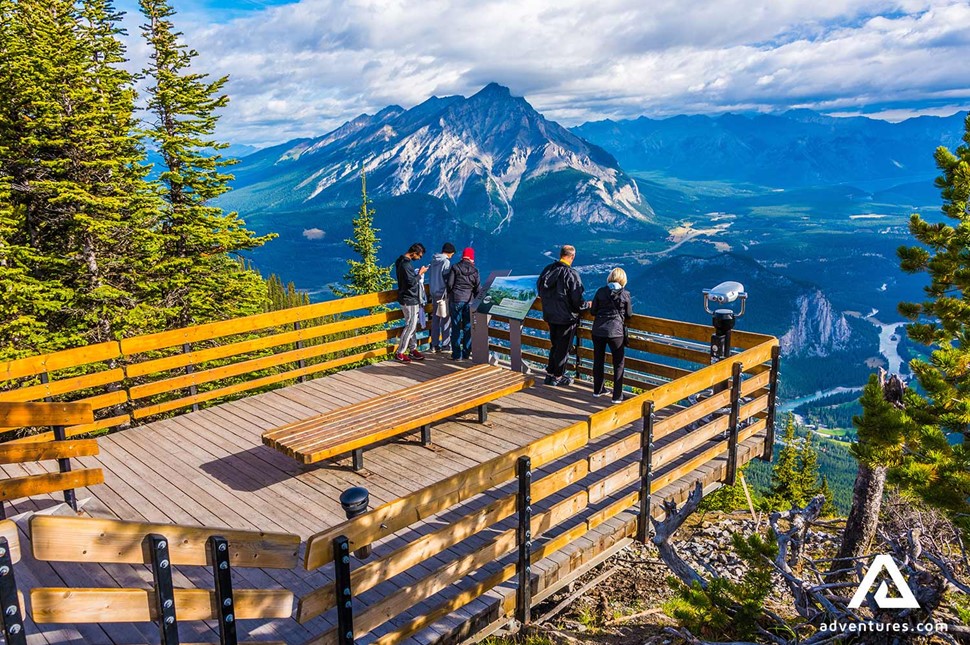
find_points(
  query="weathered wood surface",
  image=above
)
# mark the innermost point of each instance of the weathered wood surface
(210, 469)
(17, 415)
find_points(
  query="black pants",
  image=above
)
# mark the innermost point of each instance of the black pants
(599, 359)
(562, 337)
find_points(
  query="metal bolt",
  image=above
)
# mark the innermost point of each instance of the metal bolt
(11, 610)
(528, 474)
(223, 565)
(348, 604)
(15, 629)
(4, 570)
(528, 544)
(528, 534)
(227, 602)
(168, 604)
(163, 564)
(528, 569)
(528, 509)
(344, 546)
(346, 591)
(346, 559)
(230, 618)
(528, 499)
(162, 545)
(169, 620)
(350, 635)
(222, 546)
(3, 552)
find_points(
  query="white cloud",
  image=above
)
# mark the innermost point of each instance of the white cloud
(302, 69)
(314, 234)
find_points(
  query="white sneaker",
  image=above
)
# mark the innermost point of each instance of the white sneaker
(603, 393)
(619, 400)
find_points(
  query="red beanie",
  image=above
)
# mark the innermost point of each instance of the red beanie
(469, 253)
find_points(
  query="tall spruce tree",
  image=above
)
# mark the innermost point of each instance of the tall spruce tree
(936, 461)
(202, 279)
(76, 211)
(365, 275)
(785, 475)
(808, 469)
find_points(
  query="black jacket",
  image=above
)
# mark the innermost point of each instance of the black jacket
(561, 290)
(408, 282)
(464, 282)
(611, 311)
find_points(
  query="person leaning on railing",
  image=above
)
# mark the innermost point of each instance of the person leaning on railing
(611, 310)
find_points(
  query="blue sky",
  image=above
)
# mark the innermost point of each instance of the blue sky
(303, 68)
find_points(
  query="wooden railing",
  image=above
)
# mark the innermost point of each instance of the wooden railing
(141, 377)
(687, 422)
(692, 413)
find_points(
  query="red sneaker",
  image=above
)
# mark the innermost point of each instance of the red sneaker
(402, 358)
(416, 355)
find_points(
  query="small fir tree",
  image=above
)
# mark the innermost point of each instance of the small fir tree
(828, 509)
(808, 469)
(365, 275)
(786, 480)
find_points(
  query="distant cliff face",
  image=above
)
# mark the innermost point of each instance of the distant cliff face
(817, 329)
(491, 160)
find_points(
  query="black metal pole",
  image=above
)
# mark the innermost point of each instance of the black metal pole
(732, 464)
(64, 466)
(222, 573)
(523, 536)
(164, 590)
(769, 450)
(342, 590)
(13, 621)
(299, 345)
(646, 472)
(189, 369)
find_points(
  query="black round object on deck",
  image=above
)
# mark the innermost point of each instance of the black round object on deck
(354, 501)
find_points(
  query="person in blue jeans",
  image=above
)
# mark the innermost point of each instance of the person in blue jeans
(464, 285)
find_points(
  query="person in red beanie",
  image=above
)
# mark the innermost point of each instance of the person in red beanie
(464, 285)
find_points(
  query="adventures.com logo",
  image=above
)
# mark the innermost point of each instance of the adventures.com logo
(902, 598)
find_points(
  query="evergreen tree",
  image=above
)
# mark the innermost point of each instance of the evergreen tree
(828, 509)
(202, 279)
(808, 469)
(365, 275)
(936, 460)
(279, 296)
(77, 215)
(786, 480)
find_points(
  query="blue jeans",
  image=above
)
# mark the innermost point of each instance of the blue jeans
(461, 330)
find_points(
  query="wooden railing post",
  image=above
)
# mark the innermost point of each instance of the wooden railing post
(189, 369)
(646, 472)
(343, 591)
(769, 450)
(164, 590)
(523, 536)
(13, 621)
(222, 574)
(732, 462)
(299, 345)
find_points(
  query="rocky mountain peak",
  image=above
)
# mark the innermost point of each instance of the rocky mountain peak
(817, 329)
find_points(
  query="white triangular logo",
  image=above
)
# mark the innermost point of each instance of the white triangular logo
(906, 599)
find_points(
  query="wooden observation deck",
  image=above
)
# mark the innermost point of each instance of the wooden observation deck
(446, 521)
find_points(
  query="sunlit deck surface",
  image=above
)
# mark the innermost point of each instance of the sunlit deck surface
(210, 468)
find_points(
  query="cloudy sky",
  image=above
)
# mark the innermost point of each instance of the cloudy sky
(303, 68)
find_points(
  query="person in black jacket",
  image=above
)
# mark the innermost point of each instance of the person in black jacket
(561, 290)
(464, 285)
(409, 295)
(611, 311)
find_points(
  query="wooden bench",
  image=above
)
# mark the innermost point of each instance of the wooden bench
(57, 415)
(354, 427)
(97, 542)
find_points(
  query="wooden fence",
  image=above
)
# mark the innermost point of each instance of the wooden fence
(692, 412)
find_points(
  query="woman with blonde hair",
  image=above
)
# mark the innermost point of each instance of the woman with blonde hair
(611, 311)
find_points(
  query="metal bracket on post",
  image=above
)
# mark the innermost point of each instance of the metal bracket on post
(483, 413)
(222, 573)
(64, 466)
(357, 459)
(646, 472)
(523, 537)
(769, 450)
(164, 591)
(13, 620)
(299, 345)
(479, 337)
(426, 435)
(343, 593)
(732, 462)
(189, 369)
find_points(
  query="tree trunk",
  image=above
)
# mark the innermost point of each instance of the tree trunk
(860, 526)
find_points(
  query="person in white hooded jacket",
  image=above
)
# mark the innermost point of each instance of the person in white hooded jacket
(438, 285)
